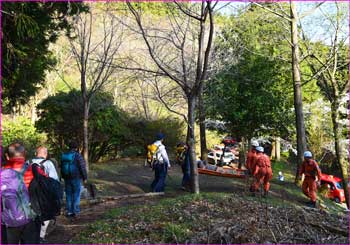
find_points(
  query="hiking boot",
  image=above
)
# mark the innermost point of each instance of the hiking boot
(69, 215)
(311, 204)
(266, 193)
(43, 241)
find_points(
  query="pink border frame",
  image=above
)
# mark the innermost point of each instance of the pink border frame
(164, 1)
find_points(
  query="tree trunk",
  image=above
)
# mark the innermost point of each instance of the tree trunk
(203, 139)
(242, 152)
(192, 145)
(278, 148)
(338, 151)
(298, 104)
(86, 133)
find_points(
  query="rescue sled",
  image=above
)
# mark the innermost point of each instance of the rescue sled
(226, 171)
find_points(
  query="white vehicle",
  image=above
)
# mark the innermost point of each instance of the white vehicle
(215, 156)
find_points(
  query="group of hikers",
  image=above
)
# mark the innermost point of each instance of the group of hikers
(31, 191)
(258, 166)
(31, 194)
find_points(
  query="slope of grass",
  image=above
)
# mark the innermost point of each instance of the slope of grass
(200, 218)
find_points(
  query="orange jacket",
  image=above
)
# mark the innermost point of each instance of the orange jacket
(251, 159)
(262, 162)
(310, 169)
(17, 163)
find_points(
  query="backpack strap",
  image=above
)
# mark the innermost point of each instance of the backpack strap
(25, 167)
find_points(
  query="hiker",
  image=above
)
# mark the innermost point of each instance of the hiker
(73, 171)
(160, 165)
(262, 171)
(251, 157)
(186, 169)
(22, 224)
(50, 170)
(311, 170)
(181, 149)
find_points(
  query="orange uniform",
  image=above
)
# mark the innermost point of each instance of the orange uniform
(310, 169)
(251, 160)
(262, 172)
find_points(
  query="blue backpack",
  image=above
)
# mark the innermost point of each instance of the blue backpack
(69, 168)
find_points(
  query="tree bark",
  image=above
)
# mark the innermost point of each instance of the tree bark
(192, 145)
(298, 104)
(242, 152)
(278, 149)
(203, 139)
(86, 133)
(338, 150)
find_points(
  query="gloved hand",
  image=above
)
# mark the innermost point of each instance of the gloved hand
(318, 183)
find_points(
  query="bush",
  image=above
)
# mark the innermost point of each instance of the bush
(142, 133)
(61, 117)
(22, 130)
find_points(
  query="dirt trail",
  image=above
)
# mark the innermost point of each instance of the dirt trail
(64, 229)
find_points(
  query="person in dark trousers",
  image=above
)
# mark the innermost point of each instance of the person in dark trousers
(161, 165)
(186, 170)
(28, 233)
(73, 171)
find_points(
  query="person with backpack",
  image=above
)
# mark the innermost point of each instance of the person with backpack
(186, 169)
(22, 224)
(73, 171)
(160, 165)
(49, 168)
(262, 171)
(311, 171)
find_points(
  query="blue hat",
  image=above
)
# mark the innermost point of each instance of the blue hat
(260, 149)
(160, 136)
(307, 154)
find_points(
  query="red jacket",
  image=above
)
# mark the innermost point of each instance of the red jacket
(17, 163)
(310, 169)
(251, 160)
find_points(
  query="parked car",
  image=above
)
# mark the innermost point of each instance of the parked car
(334, 186)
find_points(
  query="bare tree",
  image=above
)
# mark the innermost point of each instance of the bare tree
(94, 48)
(330, 68)
(182, 54)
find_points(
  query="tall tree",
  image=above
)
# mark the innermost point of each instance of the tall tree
(28, 28)
(293, 19)
(329, 65)
(186, 63)
(250, 93)
(94, 50)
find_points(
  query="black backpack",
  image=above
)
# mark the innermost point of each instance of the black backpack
(45, 195)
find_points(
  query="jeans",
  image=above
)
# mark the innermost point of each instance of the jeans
(160, 172)
(26, 234)
(72, 188)
(186, 175)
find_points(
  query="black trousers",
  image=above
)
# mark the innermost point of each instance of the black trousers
(26, 234)
(3, 235)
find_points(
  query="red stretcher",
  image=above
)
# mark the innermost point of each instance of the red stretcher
(226, 171)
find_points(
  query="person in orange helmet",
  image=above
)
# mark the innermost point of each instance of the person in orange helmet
(251, 157)
(311, 171)
(262, 171)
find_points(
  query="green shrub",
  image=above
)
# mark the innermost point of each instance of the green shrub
(22, 130)
(133, 151)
